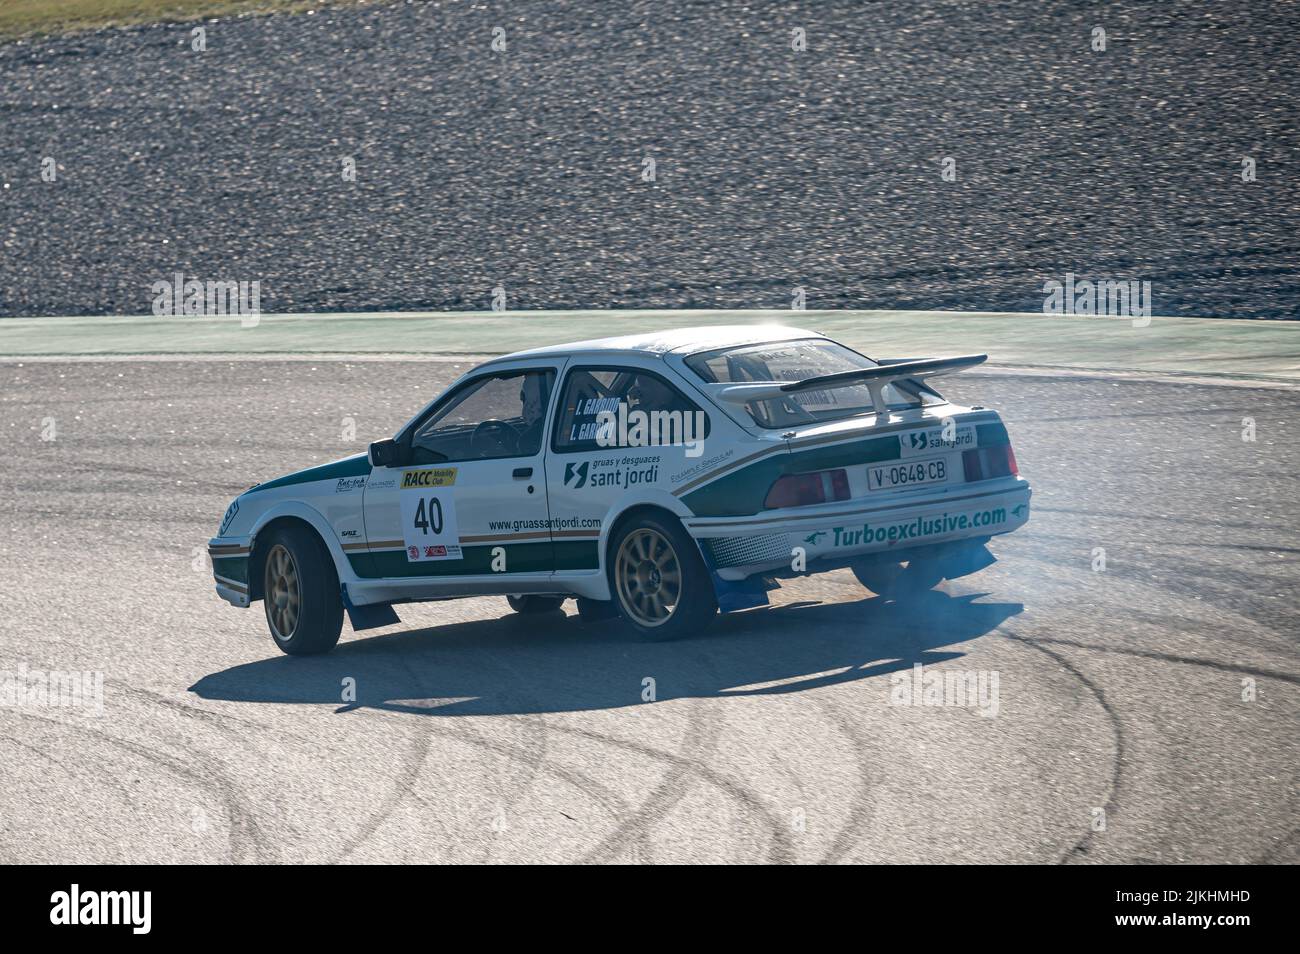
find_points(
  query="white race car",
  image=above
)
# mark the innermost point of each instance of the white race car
(654, 477)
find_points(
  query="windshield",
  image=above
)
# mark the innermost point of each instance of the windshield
(787, 361)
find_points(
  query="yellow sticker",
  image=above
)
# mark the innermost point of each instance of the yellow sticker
(433, 477)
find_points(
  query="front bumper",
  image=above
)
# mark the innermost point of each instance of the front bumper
(739, 547)
(230, 569)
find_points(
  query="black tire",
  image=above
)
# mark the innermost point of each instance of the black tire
(642, 586)
(535, 604)
(896, 581)
(317, 619)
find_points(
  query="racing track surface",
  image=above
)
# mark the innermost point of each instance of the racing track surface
(479, 736)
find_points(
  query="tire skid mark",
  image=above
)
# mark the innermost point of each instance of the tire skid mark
(781, 849)
(701, 740)
(852, 831)
(535, 761)
(1085, 844)
(207, 717)
(128, 797)
(72, 772)
(403, 782)
(220, 720)
(611, 801)
(636, 830)
(844, 840)
(245, 840)
(1183, 660)
(532, 758)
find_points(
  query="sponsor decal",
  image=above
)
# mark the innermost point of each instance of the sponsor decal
(575, 474)
(387, 483)
(813, 537)
(546, 523)
(346, 485)
(913, 443)
(620, 472)
(229, 516)
(429, 477)
(351, 533)
(702, 467)
(917, 527)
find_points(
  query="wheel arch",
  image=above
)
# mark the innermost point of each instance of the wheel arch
(291, 514)
(632, 512)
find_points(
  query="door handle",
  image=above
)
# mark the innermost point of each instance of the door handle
(522, 473)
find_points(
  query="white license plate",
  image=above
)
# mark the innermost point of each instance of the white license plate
(908, 473)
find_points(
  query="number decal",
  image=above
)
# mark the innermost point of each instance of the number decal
(429, 524)
(429, 521)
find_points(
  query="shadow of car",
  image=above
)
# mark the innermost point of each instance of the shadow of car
(553, 663)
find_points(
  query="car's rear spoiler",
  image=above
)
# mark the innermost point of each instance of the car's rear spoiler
(875, 380)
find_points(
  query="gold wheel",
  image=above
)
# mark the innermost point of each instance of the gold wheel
(648, 577)
(282, 593)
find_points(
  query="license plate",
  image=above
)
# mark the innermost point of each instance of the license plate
(911, 473)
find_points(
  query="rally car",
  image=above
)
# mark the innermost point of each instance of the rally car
(655, 478)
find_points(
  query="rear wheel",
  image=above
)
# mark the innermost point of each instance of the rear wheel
(535, 604)
(300, 593)
(659, 581)
(897, 581)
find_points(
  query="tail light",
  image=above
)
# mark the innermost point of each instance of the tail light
(800, 490)
(985, 463)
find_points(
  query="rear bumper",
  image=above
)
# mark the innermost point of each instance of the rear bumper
(739, 547)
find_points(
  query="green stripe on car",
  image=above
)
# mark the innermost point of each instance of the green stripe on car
(357, 466)
(477, 560)
(742, 492)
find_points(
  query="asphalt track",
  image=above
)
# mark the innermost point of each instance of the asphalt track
(479, 736)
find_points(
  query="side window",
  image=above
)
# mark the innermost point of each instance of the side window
(500, 415)
(624, 407)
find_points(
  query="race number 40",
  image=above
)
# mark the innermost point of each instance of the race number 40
(429, 525)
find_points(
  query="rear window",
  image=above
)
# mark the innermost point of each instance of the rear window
(799, 360)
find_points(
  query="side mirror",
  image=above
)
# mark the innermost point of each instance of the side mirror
(388, 453)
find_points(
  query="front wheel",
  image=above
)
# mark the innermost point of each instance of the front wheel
(300, 593)
(658, 579)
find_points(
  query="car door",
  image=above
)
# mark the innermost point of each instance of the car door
(593, 474)
(469, 514)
